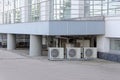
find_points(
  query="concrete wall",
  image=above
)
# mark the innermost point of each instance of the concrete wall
(112, 31)
(103, 44)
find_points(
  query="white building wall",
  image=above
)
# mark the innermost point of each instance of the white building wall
(103, 44)
(112, 27)
(112, 31)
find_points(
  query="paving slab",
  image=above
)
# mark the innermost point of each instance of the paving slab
(16, 67)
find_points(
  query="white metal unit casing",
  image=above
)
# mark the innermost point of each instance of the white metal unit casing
(90, 53)
(73, 53)
(55, 53)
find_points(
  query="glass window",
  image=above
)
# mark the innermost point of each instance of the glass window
(61, 9)
(8, 11)
(20, 11)
(115, 44)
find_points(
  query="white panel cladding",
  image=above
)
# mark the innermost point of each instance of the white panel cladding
(38, 28)
(112, 27)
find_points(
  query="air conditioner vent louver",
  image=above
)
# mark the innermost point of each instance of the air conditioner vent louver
(54, 53)
(89, 53)
(72, 53)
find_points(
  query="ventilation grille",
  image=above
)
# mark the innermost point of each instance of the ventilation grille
(89, 52)
(54, 53)
(72, 53)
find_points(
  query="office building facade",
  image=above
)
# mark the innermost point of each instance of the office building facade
(60, 23)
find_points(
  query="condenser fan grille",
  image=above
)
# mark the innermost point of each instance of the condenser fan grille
(54, 53)
(72, 53)
(88, 52)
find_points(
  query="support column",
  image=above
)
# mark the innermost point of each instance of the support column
(35, 45)
(57, 42)
(92, 42)
(103, 44)
(44, 40)
(11, 41)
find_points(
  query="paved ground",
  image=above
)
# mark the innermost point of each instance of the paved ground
(16, 67)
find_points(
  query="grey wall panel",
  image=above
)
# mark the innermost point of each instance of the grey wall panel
(95, 27)
(58, 28)
(77, 27)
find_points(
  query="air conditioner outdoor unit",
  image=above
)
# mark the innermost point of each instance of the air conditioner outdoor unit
(73, 53)
(55, 53)
(90, 53)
